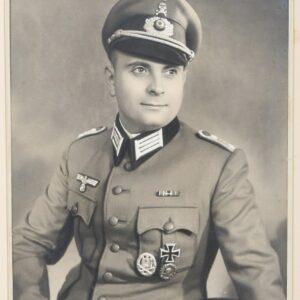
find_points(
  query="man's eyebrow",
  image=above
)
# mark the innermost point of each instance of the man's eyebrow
(170, 66)
(138, 63)
(148, 66)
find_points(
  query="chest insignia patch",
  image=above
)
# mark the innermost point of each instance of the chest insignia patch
(85, 180)
(167, 193)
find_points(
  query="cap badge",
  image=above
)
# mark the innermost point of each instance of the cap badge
(159, 25)
(146, 264)
(85, 180)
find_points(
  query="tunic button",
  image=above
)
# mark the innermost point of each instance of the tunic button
(128, 166)
(115, 248)
(169, 226)
(117, 190)
(113, 221)
(108, 276)
(74, 209)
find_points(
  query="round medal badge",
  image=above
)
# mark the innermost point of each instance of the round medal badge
(146, 264)
(167, 271)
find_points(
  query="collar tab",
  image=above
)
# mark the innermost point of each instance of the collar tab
(144, 145)
(148, 144)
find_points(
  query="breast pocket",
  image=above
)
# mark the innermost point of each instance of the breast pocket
(158, 227)
(82, 207)
(81, 204)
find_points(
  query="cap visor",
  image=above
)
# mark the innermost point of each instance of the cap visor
(150, 50)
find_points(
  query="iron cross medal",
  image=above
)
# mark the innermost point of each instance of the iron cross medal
(167, 255)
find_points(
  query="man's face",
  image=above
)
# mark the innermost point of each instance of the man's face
(149, 94)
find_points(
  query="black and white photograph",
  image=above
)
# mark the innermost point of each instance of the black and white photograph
(150, 149)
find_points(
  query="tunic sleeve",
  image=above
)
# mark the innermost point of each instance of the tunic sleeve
(250, 260)
(42, 239)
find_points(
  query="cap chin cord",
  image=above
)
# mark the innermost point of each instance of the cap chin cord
(158, 39)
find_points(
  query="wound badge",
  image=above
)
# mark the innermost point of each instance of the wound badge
(146, 264)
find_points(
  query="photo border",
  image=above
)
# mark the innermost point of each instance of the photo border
(293, 289)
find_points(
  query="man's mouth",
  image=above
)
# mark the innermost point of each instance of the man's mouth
(153, 104)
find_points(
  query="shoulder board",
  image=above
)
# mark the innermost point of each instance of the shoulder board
(92, 131)
(216, 140)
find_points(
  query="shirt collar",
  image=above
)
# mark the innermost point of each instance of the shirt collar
(142, 146)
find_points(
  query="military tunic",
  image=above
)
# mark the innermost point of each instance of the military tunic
(124, 216)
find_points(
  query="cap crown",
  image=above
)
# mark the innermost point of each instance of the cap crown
(155, 28)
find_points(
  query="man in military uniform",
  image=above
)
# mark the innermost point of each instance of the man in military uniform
(151, 200)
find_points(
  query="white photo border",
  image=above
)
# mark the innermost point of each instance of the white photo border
(293, 161)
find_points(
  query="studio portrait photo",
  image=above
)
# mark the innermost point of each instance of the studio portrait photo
(150, 149)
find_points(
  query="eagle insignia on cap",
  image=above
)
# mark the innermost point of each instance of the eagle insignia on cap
(159, 24)
(162, 9)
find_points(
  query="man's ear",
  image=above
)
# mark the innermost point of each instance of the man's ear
(110, 79)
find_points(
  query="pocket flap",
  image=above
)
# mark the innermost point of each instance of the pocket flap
(182, 218)
(81, 206)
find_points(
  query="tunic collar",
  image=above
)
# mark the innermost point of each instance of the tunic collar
(143, 146)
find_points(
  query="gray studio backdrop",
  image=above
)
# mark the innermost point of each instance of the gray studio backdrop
(237, 89)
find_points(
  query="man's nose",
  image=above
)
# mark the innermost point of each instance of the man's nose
(155, 86)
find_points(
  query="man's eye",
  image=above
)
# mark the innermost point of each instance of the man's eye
(171, 72)
(139, 70)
